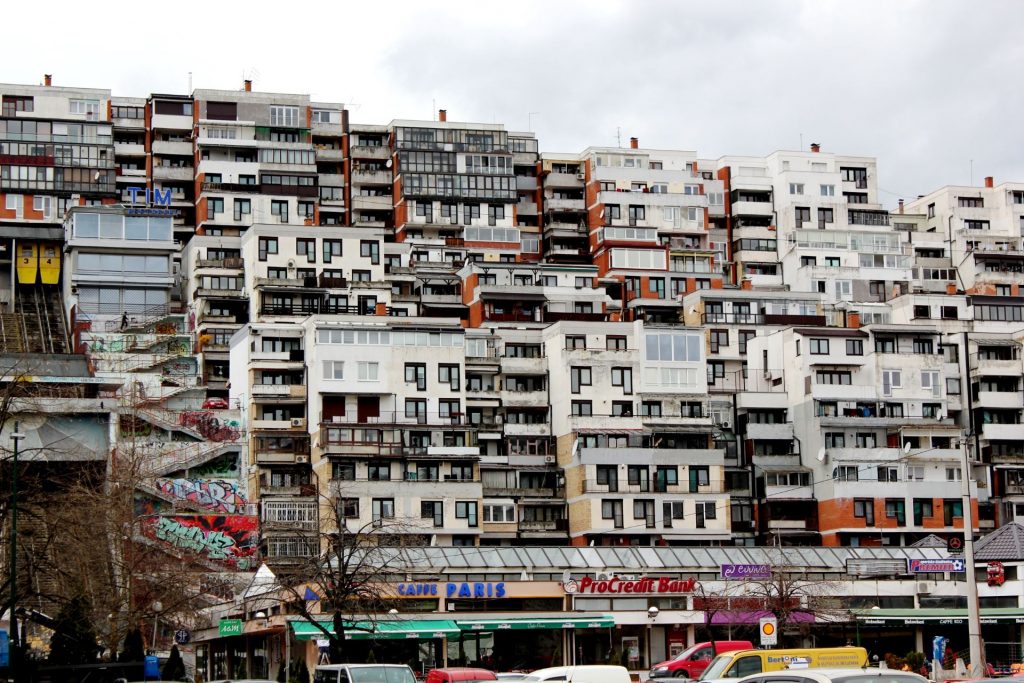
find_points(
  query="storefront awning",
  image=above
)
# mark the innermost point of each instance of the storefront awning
(599, 621)
(905, 617)
(384, 630)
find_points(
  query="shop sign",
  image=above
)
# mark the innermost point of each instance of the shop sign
(230, 627)
(452, 590)
(935, 566)
(734, 572)
(615, 585)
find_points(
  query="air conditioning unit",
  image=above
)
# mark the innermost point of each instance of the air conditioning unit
(725, 425)
(581, 176)
(549, 459)
(298, 422)
(302, 459)
(604, 576)
(923, 588)
(627, 577)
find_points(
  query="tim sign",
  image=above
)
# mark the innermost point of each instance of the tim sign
(738, 572)
(615, 585)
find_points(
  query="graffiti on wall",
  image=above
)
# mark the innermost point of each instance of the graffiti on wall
(223, 467)
(228, 540)
(215, 495)
(209, 426)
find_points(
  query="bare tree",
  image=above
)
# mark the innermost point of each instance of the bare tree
(347, 568)
(796, 600)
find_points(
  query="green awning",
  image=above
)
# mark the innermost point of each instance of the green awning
(599, 621)
(383, 630)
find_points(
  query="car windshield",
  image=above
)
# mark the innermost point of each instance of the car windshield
(717, 667)
(685, 654)
(881, 678)
(381, 674)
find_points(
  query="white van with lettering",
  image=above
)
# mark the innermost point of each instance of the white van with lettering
(584, 673)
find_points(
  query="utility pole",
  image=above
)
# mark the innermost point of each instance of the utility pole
(16, 437)
(977, 651)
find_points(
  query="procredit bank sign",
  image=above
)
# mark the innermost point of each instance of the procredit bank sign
(616, 585)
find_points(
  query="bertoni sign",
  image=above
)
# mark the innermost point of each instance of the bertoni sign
(647, 584)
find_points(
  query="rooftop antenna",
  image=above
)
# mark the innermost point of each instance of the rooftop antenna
(801, 147)
(618, 136)
(189, 83)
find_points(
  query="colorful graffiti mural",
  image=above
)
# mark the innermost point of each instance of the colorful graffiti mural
(215, 495)
(209, 426)
(222, 467)
(228, 540)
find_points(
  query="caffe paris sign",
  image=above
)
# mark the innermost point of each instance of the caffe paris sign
(618, 586)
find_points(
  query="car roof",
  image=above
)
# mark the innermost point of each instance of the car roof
(336, 667)
(829, 675)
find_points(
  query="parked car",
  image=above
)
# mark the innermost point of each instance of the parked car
(691, 662)
(215, 403)
(363, 673)
(459, 674)
(837, 676)
(743, 663)
(585, 673)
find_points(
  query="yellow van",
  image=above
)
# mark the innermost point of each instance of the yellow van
(734, 665)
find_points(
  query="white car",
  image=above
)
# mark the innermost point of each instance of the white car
(870, 675)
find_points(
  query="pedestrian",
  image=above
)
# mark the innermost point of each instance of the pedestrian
(124, 320)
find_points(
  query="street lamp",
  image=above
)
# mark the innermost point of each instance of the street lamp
(16, 437)
(157, 607)
(652, 614)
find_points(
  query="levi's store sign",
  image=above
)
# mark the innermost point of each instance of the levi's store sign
(615, 585)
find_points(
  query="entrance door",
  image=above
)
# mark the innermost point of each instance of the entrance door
(368, 408)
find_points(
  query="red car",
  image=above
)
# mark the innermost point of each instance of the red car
(691, 662)
(215, 404)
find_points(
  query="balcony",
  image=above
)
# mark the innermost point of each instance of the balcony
(379, 152)
(179, 173)
(712, 318)
(296, 423)
(516, 365)
(1002, 432)
(229, 263)
(380, 203)
(745, 208)
(172, 122)
(524, 399)
(278, 390)
(181, 148)
(211, 293)
(515, 429)
(593, 486)
(1009, 367)
(770, 432)
(546, 525)
(329, 154)
(526, 183)
(524, 208)
(1000, 399)
(556, 492)
(129, 149)
(564, 205)
(369, 177)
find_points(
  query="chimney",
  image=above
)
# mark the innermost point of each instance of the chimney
(47, 80)
(815, 147)
(901, 206)
(247, 85)
(634, 143)
(988, 179)
(442, 115)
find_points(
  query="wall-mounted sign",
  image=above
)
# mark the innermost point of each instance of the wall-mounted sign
(453, 590)
(935, 566)
(615, 585)
(230, 627)
(737, 572)
(152, 197)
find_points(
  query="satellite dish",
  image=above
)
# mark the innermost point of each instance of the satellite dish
(387, 163)
(906, 447)
(821, 454)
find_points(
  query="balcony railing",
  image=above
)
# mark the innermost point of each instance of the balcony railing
(732, 318)
(544, 525)
(400, 418)
(712, 486)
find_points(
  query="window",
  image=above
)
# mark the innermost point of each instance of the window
(924, 346)
(835, 440)
(466, 510)
(891, 379)
(885, 345)
(243, 207)
(371, 250)
(383, 508)
(285, 117)
(622, 409)
(378, 471)
(718, 339)
(579, 377)
(819, 347)
(90, 108)
(846, 473)
(449, 408)
(744, 338)
(866, 440)
(922, 509)
(573, 341)
(367, 371)
(416, 373)
(930, 382)
(888, 474)
(953, 473)
(828, 190)
(499, 513)
(279, 208)
(952, 508)
(608, 475)
(705, 510)
(864, 508)
(12, 104)
(854, 347)
(796, 188)
(612, 509)
(895, 509)
(700, 475)
(650, 408)
(582, 409)
(306, 247)
(801, 214)
(416, 408)
(349, 507)
(334, 369)
(623, 377)
(636, 214)
(267, 245)
(495, 213)
(450, 375)
(953, 385)
(215, 205)
(432, 510)
(331, 248)
(672, 511)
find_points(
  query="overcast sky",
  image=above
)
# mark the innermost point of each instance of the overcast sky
(925, 86)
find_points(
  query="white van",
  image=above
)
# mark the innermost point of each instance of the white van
(584, 673)
(363, 673)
